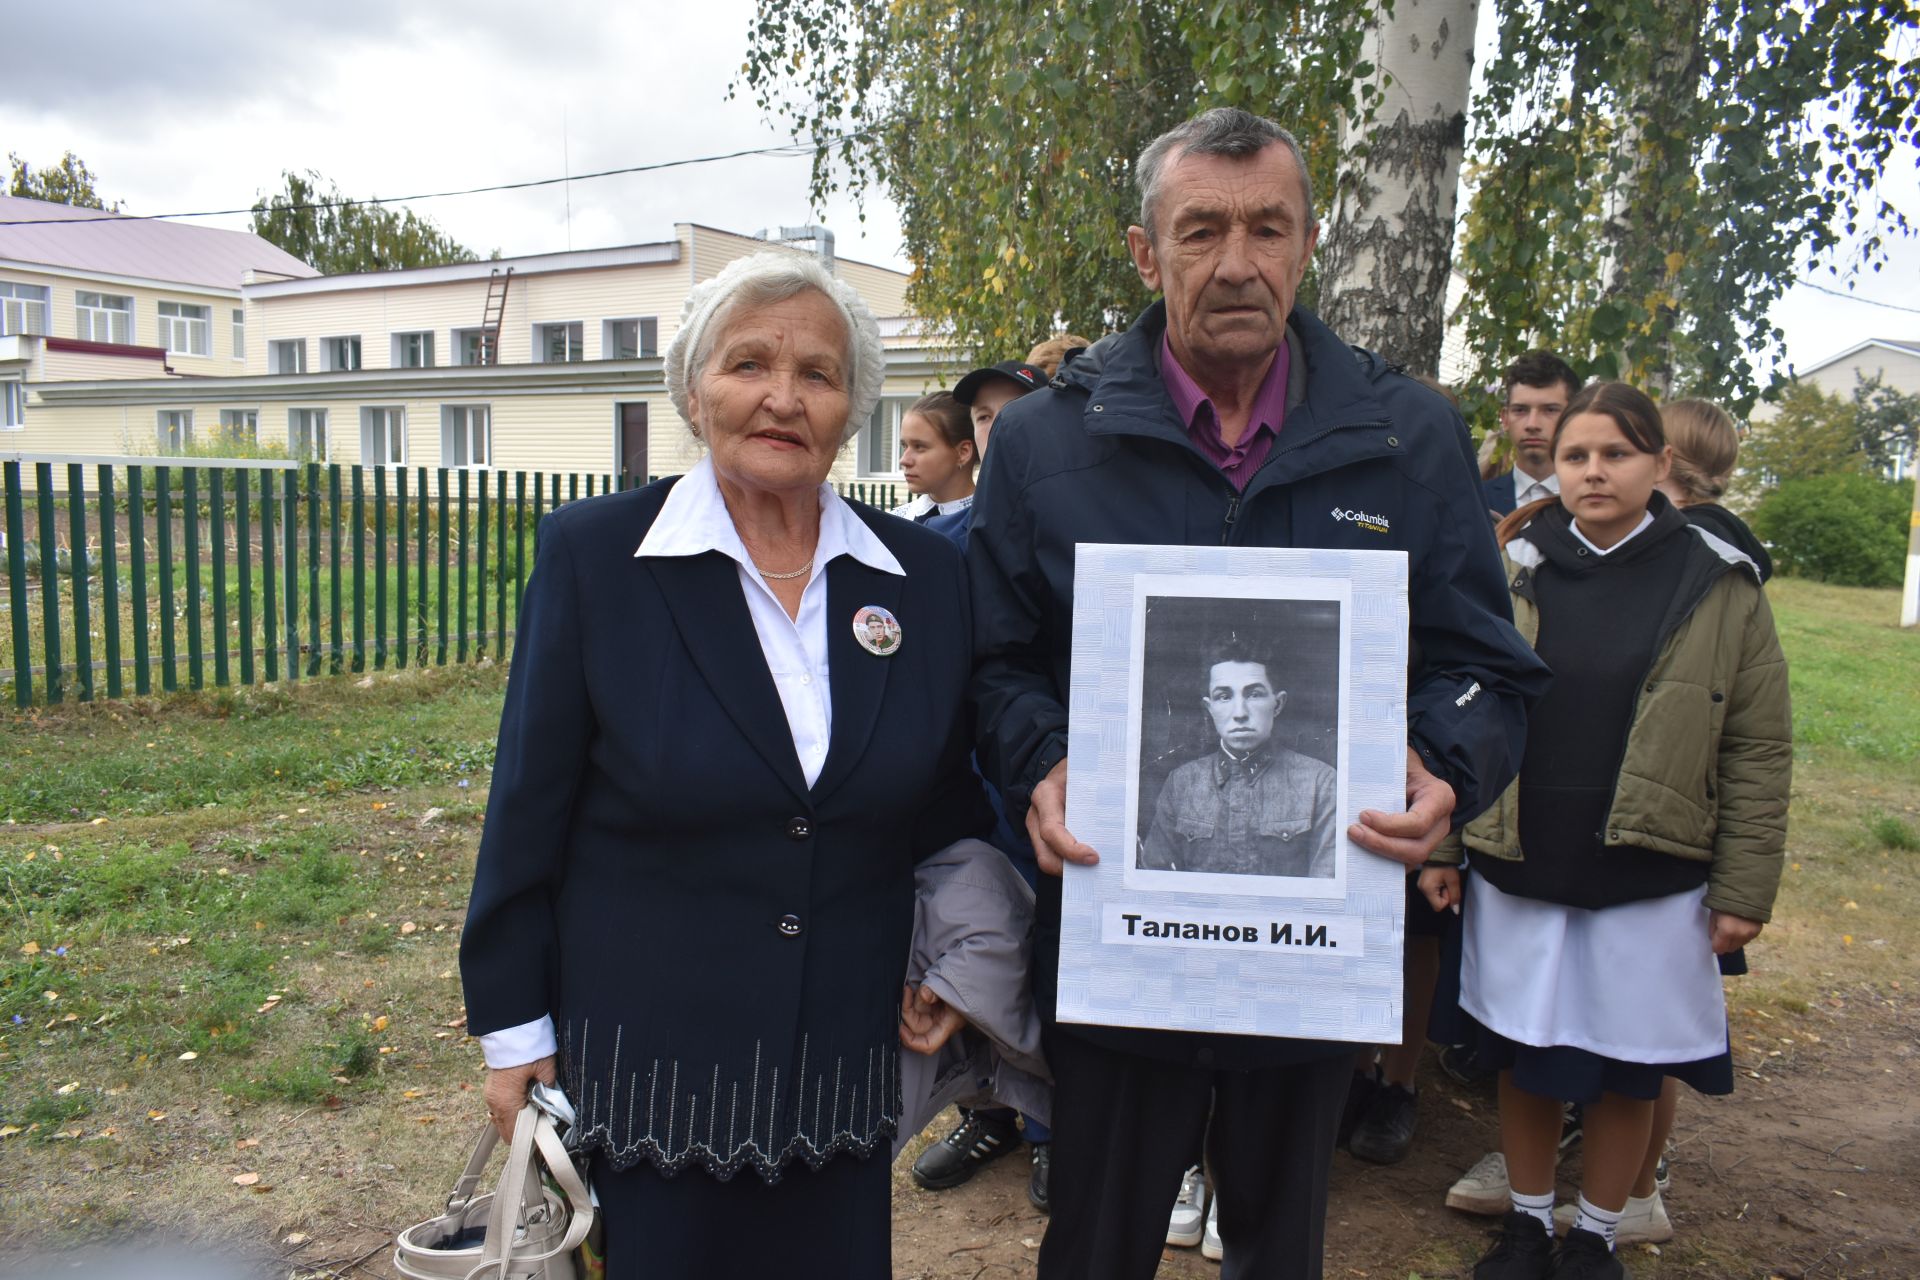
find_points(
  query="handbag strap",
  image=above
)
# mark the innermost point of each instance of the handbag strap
(463, 1190)
(519, 1188)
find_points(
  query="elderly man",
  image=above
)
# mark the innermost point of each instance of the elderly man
(1250, 807)
(1225, 415)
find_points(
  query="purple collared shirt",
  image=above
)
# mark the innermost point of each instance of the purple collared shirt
(1237, 462)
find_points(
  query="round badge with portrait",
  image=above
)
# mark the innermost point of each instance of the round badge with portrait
(877, 630)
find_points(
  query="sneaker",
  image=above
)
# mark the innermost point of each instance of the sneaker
(1662, 1173)
(1524, 1251)
(1385, 1134)
(1185, 1224)
(1571, 1125)
(1585, 1256)
(982, 1137)
(1463, 1067)
(1641, 1222)
(1037, 1179)
(1483, 1189)
(1360, 1093)
(1210, 1246)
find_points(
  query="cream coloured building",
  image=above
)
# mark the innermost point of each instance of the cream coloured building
(388, 367)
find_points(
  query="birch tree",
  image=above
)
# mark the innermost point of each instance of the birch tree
(1388, 247)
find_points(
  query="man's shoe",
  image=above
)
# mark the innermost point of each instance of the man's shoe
(1585, 1256)
(1187, 1221)
(1360, 1092)
(1463, 1067)
(981, 1138)
(1037, 1179)
(1483, 1189)
(1524, 1251)
(1663, 1170)
(1641, 1222)
(1385, 1134)
(1572, 1124)
(1210, 1246)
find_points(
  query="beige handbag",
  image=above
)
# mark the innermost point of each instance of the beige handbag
(526, 1228)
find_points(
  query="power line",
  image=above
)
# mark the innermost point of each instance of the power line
(785, 149)
(1854, 297)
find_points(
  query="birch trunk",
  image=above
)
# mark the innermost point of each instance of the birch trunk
(1389, 242)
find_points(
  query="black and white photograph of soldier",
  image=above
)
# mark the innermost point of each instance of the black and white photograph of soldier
(1239, 737)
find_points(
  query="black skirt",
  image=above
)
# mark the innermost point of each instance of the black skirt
(1579, 1075)
(833, 1223)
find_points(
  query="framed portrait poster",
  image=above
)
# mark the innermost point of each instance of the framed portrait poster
(1233, 710)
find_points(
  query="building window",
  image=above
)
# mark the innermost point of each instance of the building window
(413, 351)
(242, 426)
(559, 343)
(287, 356)
(13, 405)
(23, 308)
(239, 334)
(185, 330)
(629, 339)
(103, 317)
(466, 345)
(340, 355)
(383, 437)
(880, 438)
(466, 435)
(307, 434)
(176, 430)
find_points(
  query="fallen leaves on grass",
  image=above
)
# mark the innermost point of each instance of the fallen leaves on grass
(246, 1180)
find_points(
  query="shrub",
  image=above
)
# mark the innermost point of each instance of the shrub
(1893, 833)
(1847, 529)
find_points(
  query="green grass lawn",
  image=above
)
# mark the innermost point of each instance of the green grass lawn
(232, 918)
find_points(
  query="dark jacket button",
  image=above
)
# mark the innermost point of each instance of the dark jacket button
(1719, 697)
(790, 925)
(799, 829)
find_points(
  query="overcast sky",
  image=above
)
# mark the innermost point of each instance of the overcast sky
(200, 104)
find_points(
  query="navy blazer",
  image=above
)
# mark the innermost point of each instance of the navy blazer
(721, 947)
(1499, 493)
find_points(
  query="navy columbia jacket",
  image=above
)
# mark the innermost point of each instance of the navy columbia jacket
(1368, 459)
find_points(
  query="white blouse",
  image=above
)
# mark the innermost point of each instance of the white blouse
(693, 521)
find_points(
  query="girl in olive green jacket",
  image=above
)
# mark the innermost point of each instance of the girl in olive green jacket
(1642, 838)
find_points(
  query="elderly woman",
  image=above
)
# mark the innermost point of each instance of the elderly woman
(694, 893)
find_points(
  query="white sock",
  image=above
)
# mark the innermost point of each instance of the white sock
(1540, 1207)
(1602, 1222)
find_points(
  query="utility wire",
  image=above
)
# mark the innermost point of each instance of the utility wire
(785, 149)
(1854, 297)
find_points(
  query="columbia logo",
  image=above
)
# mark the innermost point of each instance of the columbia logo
(1372, 523)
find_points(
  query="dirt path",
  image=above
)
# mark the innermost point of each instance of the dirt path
(1810, 1170)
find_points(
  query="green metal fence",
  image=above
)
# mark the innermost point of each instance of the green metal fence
(266, 571)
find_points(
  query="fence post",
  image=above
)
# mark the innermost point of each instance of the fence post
(217, 531)
(359, 516)
(269, 616)
(315, 640)
(500, 567)
(480, 572)
(77, 565)
(400, 565)
(137, 568)
(440, 652)
(380, 568)
(163, 524)
(17, 587)
(110, 581)
(290, 580)
(420, 654)
(460, 643)
(190, 505)
(49, 579)
(335, 646)
(519, 547)
(243, 545)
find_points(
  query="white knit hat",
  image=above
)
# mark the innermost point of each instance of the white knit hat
(780, 275)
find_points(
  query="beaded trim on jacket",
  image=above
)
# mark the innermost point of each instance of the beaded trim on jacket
(843, 1106)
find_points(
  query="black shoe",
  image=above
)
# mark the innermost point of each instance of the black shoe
(980, 1138)
(1385, 1134)
(1585, 1256)
(1360, 1093)
(1523, 1252)
(1463, 1067)
(1037, 1180)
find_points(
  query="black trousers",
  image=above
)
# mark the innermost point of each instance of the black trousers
(833, 1224)
(1124, 1131)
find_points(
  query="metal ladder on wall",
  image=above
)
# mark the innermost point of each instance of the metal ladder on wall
(495, 312)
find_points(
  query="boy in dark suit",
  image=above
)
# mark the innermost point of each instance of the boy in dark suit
(1538, 386)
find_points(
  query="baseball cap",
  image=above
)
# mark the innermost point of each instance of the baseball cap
(1019, 373)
